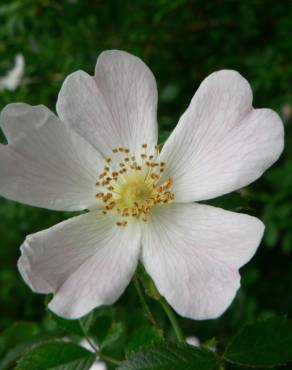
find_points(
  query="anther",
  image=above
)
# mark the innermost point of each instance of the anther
(121, 223)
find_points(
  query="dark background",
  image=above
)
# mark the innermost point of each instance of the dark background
(182, 42)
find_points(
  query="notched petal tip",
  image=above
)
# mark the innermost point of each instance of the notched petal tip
(229, 78)
(17, 119)
(14, 109)
(114, 55)
(20, 108)
(39, 166)
(115, 107)
(221, 142)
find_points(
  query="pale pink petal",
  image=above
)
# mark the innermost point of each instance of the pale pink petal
(116, 107)
(86, 262)
(45, 164)
(193, 253)
(221, 143)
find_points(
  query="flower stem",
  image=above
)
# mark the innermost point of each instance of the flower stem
(151, 289)
(92, 345)
(146, 307)
(173, 320)
(109, 359)
(97, 351)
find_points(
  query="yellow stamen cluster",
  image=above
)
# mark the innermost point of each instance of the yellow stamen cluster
(134, 187)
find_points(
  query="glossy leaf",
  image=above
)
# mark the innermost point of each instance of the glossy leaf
(171, 356)
(263, 344)
(57, 356)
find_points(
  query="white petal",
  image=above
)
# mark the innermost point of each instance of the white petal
(221, 143)
(116, 107)
(45, 164)
(193, 253)
(13, 78)
(193, 341)
(86, 262)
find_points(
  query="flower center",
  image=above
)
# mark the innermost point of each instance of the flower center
(135, 187)
(135, 190)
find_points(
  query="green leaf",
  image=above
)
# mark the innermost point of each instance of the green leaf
(101, 326)
(16, 339)
(143, 337)
(116, 330)
(88, 321)
(263, 344)
(171, 356)
(71, 326)
(56, 356)
(16, 334)
(16, 352)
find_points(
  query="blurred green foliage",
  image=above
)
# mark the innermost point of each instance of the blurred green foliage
(182, 41)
